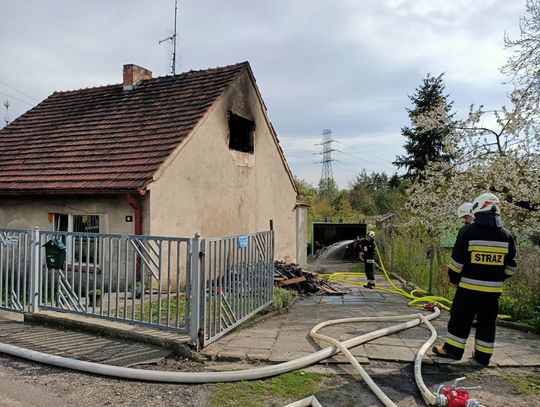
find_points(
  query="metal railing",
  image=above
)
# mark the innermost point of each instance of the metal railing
(237, 281)
(138, 279)
(204, 287)
(14, 269)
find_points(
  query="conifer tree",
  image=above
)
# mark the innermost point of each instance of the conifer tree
(431, 123)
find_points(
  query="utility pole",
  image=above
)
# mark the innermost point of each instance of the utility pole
(172, 39)
(326, 172)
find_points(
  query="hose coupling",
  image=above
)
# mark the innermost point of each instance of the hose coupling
(456, 396)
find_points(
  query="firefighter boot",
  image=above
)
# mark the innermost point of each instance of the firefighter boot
(370, 284)
(443, 353)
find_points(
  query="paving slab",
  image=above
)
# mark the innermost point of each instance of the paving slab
(389, 353)
(286, 336)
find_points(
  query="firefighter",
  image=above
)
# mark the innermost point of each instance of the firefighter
(464, 213)
(483, 256)
(367, 253)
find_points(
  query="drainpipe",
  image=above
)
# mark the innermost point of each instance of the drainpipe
(135, 202)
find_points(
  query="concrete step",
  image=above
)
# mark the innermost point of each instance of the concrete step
(176, 342)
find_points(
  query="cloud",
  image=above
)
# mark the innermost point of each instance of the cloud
(347, 65)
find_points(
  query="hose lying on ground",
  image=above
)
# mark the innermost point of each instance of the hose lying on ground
(412, 320)
(416, 297)
(428, 396)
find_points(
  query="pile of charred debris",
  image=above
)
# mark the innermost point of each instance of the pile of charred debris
(292, 276)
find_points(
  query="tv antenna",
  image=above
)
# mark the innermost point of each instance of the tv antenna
(172, 39)
(7, 104)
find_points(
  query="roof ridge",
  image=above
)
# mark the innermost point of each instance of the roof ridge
(191, 71)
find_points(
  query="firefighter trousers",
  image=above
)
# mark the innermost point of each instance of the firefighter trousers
(466, 305)
(370, 275)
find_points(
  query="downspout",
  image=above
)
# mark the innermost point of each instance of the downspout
(135, 202)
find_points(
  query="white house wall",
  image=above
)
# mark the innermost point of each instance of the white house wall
(210, 189)
(32, 211)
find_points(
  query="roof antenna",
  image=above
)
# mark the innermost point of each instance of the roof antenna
(172, 38)
(7, 104)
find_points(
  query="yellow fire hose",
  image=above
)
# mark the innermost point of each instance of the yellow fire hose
(415, 296)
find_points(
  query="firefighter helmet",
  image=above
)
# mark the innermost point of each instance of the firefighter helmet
(371, 234)
(486, 202)
(464, 210)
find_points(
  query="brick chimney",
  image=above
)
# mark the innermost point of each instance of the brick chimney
(133, 74)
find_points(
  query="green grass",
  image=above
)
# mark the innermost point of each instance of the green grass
(181, 302)
(525, 385)
(271, 392)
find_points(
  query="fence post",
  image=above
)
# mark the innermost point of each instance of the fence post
(431, 255)
(34, 272)
(197, 306)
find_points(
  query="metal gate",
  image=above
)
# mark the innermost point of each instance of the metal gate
(237, 282)
(204, 287)
(15, 266)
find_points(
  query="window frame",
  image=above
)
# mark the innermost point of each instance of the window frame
(71, 261)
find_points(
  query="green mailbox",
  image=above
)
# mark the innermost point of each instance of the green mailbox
(55, 254)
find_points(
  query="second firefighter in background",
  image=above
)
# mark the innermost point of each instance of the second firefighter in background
(367, 253)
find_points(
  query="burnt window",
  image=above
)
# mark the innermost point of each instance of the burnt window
(241, 131)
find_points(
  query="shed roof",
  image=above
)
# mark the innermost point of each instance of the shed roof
(106, 139)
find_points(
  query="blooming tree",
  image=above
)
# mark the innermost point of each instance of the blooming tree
(504, 159)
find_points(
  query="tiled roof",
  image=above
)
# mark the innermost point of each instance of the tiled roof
(106, 139)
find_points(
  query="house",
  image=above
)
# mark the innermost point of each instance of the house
(166, 156)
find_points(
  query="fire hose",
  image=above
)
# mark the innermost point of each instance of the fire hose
(416, 297)
(453, 396)
(411, 320)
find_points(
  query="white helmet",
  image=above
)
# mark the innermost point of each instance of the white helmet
(371, 234)
(486, 202)
(464, 210)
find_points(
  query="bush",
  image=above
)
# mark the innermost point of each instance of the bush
(521, 297)
(282, 298)
(406, 255)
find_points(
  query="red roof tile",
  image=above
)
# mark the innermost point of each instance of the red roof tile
(106, 139)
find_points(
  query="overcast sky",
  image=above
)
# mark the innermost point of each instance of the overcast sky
(346, 65)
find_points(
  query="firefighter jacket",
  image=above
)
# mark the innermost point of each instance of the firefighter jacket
(484, 255)
(367, 248)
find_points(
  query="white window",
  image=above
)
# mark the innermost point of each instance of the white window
(80, 249)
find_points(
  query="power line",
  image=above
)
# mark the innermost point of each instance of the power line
(20, 91)
(303, 154)
(17, 99)
(369, 161)
(362, 152)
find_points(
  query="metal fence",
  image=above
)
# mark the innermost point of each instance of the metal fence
(15, 266)
(139, 279)
(204, 287)
(237, 281)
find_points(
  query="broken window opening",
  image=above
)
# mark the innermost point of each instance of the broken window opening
(241, 133)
